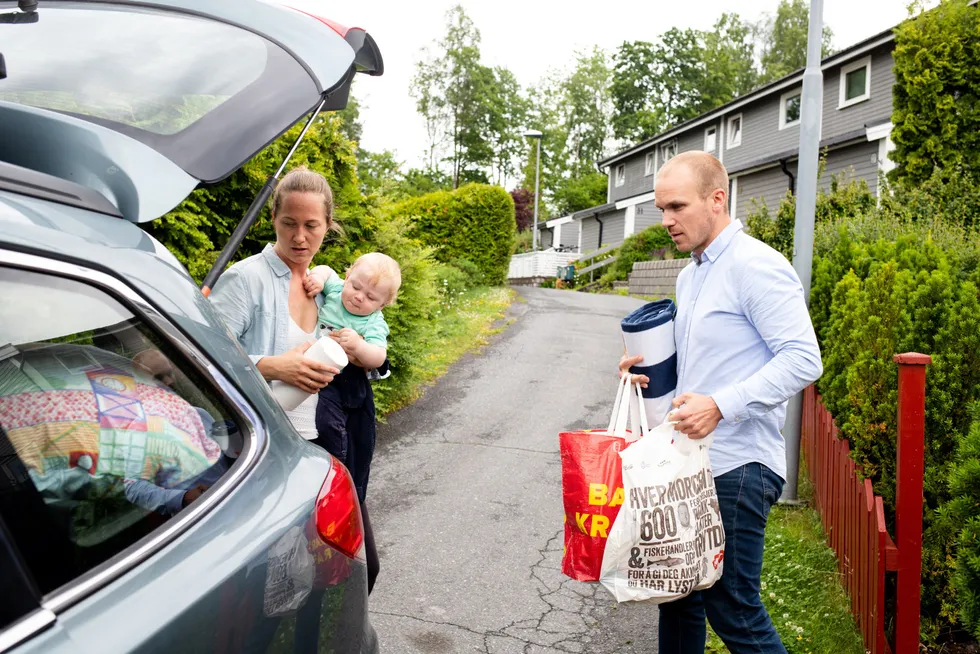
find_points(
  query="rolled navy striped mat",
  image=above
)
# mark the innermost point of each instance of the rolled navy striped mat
(650, 331)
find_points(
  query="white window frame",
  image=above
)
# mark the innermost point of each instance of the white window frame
(649, 164)
(666, 146)
(733, 143)
(620, 175)
(714, 136)
(783, 123)
(864, 62)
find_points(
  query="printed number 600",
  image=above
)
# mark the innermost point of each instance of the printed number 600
(658, 523)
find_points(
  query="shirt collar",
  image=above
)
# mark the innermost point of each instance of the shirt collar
(720, 244)
(278, 266)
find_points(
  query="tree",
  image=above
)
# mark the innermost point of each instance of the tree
(585, 111)
(508, 113)
(729, 58)
(587, 189)
(377, 172)
(471, 111)
(523, 208)
(937, 94)
(684, 74)
(783, 37)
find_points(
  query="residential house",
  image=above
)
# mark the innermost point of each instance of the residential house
(756, 137)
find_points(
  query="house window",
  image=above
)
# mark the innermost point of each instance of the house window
(710, 139)
(649, 166)
(855, 82)
(668, 151)
(620, 174)
(790, 108)
(735, 131)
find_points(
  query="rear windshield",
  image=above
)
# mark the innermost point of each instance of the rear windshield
(158, 72)
(204, 93)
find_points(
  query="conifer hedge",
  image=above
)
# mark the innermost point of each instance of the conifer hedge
(473, 223)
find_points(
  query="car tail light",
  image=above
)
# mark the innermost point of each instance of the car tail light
(338, 513)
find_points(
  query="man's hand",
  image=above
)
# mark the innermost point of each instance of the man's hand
(312, 284)
(698, 416)
(348, 339)
(194, 493)
(628, 362)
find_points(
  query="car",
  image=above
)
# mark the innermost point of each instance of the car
(153, 495)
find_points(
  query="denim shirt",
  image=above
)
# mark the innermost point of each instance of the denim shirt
(253, 298)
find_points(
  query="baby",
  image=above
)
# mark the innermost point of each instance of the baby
(351, 312)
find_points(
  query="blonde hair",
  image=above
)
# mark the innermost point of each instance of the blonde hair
(303, 180)
(383, 268)
(709, 173)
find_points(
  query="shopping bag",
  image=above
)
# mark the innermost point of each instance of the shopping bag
(667, 540)
(592, 488)
(650, 331)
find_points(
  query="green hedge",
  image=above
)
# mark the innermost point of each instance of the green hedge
(887, 281)
(475, 222)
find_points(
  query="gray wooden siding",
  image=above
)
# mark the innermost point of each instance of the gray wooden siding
(544, 238)
(569, 234)
(770, 185)
(636, 182)
(767, 186)
(613, 224)
(761, 137)
(860, 160)
(647, 214)
(590, 234)
(876, 110)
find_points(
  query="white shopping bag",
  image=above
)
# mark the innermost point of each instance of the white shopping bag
(667, 540)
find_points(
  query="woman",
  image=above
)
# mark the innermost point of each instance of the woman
(263, 302)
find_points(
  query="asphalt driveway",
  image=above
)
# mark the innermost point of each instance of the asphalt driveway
(465, 494)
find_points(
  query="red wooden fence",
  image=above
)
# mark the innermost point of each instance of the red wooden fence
(854, 518)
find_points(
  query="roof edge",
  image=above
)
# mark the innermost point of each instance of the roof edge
(856, 50)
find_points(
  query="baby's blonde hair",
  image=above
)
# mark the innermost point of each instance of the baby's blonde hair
(383, 268)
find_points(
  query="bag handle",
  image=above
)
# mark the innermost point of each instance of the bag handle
(616, 408)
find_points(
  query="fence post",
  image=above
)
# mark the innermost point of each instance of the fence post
(908, 497)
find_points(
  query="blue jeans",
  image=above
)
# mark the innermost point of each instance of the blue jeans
(732, 605)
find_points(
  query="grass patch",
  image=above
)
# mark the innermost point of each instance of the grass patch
(801, 587)
(462, 324)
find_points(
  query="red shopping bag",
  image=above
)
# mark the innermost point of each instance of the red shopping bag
(592, 488)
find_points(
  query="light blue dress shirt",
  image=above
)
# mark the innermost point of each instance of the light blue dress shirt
(744, 337)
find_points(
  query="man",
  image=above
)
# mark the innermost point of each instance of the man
(745, 345)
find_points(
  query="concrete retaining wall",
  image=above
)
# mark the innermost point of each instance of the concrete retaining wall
(656, 278)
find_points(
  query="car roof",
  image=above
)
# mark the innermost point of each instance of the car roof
(143, 100)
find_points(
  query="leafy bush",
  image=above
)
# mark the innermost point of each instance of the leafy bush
(960, 523)
(846, 198)
(474, 222)
(650, 244)
(936, 96)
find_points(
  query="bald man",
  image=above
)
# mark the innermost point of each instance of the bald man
(745, 345)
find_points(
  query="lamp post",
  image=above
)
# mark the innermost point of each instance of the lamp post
(535, 134)
(811, 112)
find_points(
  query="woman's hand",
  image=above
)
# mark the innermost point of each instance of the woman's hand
(628, 362)
(294, 368)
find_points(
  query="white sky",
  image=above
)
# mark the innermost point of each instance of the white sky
(530, 37)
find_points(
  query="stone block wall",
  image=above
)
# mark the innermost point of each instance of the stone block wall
(656, 278)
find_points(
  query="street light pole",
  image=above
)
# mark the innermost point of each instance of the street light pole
(811, 111)
(535, 134)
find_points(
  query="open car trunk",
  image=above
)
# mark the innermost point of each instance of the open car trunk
(142, 101)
